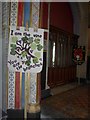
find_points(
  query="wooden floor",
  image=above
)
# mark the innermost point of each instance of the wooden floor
(70, 104)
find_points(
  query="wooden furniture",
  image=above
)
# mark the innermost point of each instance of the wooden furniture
(88, 68)
(62, 69)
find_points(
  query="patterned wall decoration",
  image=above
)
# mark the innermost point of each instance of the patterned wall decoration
(33, 77)
(11, 87)
(20, 13)
(20, 77)
(14, 9)
(11, 90)
(35, 14)
(17, 83)
(27, 7)
(27, 13)
(34, 24)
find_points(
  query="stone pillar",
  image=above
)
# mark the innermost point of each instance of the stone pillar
(83, 39)
(0, 59)
(5, 31)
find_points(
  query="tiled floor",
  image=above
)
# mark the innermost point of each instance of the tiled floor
(69, 101)
(67, 104)
(63, 88)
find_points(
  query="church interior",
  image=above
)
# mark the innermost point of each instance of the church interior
(60, 89)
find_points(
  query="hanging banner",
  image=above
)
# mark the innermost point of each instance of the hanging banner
(25, 50)
(78, 54)
(33, 77)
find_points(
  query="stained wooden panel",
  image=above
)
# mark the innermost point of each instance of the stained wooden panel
(88, 68)
(58, 76)
(61, 67)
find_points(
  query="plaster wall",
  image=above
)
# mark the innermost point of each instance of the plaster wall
(83, 39)
(60, 16)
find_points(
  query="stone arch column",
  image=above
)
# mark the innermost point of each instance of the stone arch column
(0, 59)
(76, 17)
(80, 18)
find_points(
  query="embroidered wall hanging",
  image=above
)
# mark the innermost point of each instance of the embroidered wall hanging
(78, 54)
(34, 77)
(12, 79)
(25, 50)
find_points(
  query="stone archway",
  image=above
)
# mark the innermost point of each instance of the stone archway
(80, 18)
(76, 17)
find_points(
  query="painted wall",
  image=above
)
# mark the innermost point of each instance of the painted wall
(61, 16)
(44, 22)
(76, 17)
(83, 39)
